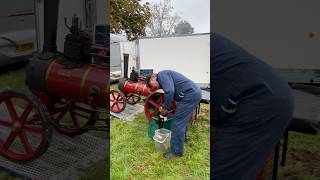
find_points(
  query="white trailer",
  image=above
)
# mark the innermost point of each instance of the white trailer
(188, 54)
(115, 49)
(285, 34)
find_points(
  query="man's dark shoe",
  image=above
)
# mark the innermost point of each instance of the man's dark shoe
(171, 155)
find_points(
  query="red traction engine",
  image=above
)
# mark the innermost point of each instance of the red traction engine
(69, 91)
(130, 91)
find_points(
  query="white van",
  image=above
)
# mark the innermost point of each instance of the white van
(17, 31)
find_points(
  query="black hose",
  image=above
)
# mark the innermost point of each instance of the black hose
(8, 39)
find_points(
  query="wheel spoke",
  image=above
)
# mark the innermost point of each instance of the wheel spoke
(33, 129)
(153, 113)
(113, 104)
(161, 99)
(113, 95)
(9, 140)
(74, 120)
(154, 104)
(25, 113)
(5, 123)
(11, 110)
(119, 96)
(118, 106)
(59, 117)
(25, 142)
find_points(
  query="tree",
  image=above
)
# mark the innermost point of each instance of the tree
(184, 27)
(162, 20)
(130, 17)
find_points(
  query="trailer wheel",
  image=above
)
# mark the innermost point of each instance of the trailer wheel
(25, 130)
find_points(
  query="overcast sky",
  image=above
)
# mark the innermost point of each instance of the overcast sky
(196, 12)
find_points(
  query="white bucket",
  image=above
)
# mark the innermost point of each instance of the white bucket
(162, 139)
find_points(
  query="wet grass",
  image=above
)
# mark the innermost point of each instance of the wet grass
(134, 156)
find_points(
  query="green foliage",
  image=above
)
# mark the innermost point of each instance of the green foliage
(130, 17)
(163, 19)
(14, 79)
(183, 27)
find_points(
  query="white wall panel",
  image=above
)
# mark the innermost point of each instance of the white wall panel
(275, 31)
(189, 55)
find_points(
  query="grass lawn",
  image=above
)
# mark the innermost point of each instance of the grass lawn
(15, 79)
(134, 156)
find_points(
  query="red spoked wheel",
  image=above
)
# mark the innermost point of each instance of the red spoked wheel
(69, 118)
(117, 101)
(133, 98)
(24, 123)
(153, 105)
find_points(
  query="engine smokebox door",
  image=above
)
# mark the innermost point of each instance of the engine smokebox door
(36, 74)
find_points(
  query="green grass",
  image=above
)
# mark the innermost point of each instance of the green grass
(114, 86)
(134, 156)
(14, 79)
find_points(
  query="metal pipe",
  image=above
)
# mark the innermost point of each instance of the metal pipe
(125, 65)
(37, 26)
(51, 9)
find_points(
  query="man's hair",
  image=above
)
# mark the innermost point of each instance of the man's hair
(148, 79)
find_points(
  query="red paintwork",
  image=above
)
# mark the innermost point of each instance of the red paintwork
(153, 105)
(117, 101)
(77, 83)
(139, 88)
(6, 144)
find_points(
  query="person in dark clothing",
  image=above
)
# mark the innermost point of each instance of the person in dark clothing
(187, 94)
(252, 107)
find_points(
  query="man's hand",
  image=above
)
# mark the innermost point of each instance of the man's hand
(164, 113)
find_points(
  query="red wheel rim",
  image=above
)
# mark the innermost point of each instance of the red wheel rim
(65, 117)
(117, 101)
(133, 99)
(22, 133)
(153, 105)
